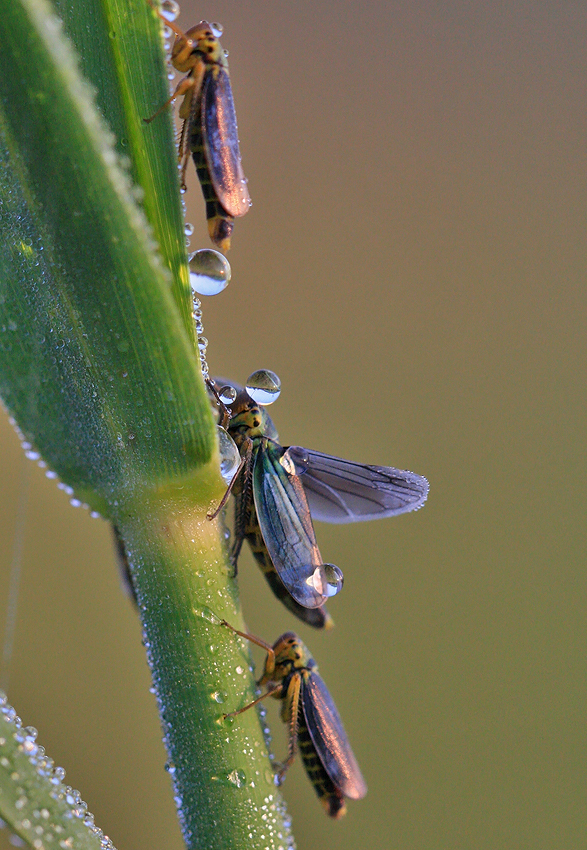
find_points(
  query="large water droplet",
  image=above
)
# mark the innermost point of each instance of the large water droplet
(334, 579)
(169, 9)
(263, 386)
(229, 454)
(327, 579)
(209, 271)
(227, 394)
(217, 29)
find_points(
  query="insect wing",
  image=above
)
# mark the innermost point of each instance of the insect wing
(329, 738)
(342, 491)
(286, 525)
(220, 137)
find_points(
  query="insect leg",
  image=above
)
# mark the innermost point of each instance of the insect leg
(270, 661)
(246, 459)
(182, 55)
(182, 88)
(276, 687)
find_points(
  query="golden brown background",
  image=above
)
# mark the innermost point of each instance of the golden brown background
(413, 268)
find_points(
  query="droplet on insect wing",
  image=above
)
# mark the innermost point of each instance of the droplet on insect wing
(227, 394)
(263, 386)
(217, 29)
(209, 271)
(229, 455)
(327, 579)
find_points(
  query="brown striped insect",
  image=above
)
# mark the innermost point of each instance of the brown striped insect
(209, 131)
(315, 728)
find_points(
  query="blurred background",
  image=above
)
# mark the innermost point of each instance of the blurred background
(413, 268)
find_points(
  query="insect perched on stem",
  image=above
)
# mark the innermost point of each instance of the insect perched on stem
(315, 728)
(278, 490)
(209, 130)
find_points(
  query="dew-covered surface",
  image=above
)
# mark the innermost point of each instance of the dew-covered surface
(202, 672)
(35, 803)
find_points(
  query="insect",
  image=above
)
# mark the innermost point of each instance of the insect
(209, 130)
(291, 675)
(278, 490)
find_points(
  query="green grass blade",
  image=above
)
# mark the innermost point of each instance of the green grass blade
(97, 365)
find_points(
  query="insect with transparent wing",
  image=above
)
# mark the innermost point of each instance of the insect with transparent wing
(315, 728)
(209, 130)
(279, 490)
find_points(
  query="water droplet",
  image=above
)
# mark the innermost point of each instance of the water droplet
(169, 10)
(209, 271)
(263, 386)
(334, 579)
(206, 614)
(237, 778)
(59, 774)
(227, 394)
(217, 29)
(229, 454)
(327, 579)
(219, 697)
(188, 228)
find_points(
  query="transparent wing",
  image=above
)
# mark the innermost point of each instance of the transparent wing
(286, 525)
(342, 491)
(329, 738)
(220, 137)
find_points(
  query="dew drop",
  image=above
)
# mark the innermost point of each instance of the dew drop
(188, 228)
(217, 29)
(334, 579)
(327, 579)
(206, 614)
(169, 10)
(209, 271)
(263, 386)
(219, 696)
(227, 394)
(229, 454)
(237, 778)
